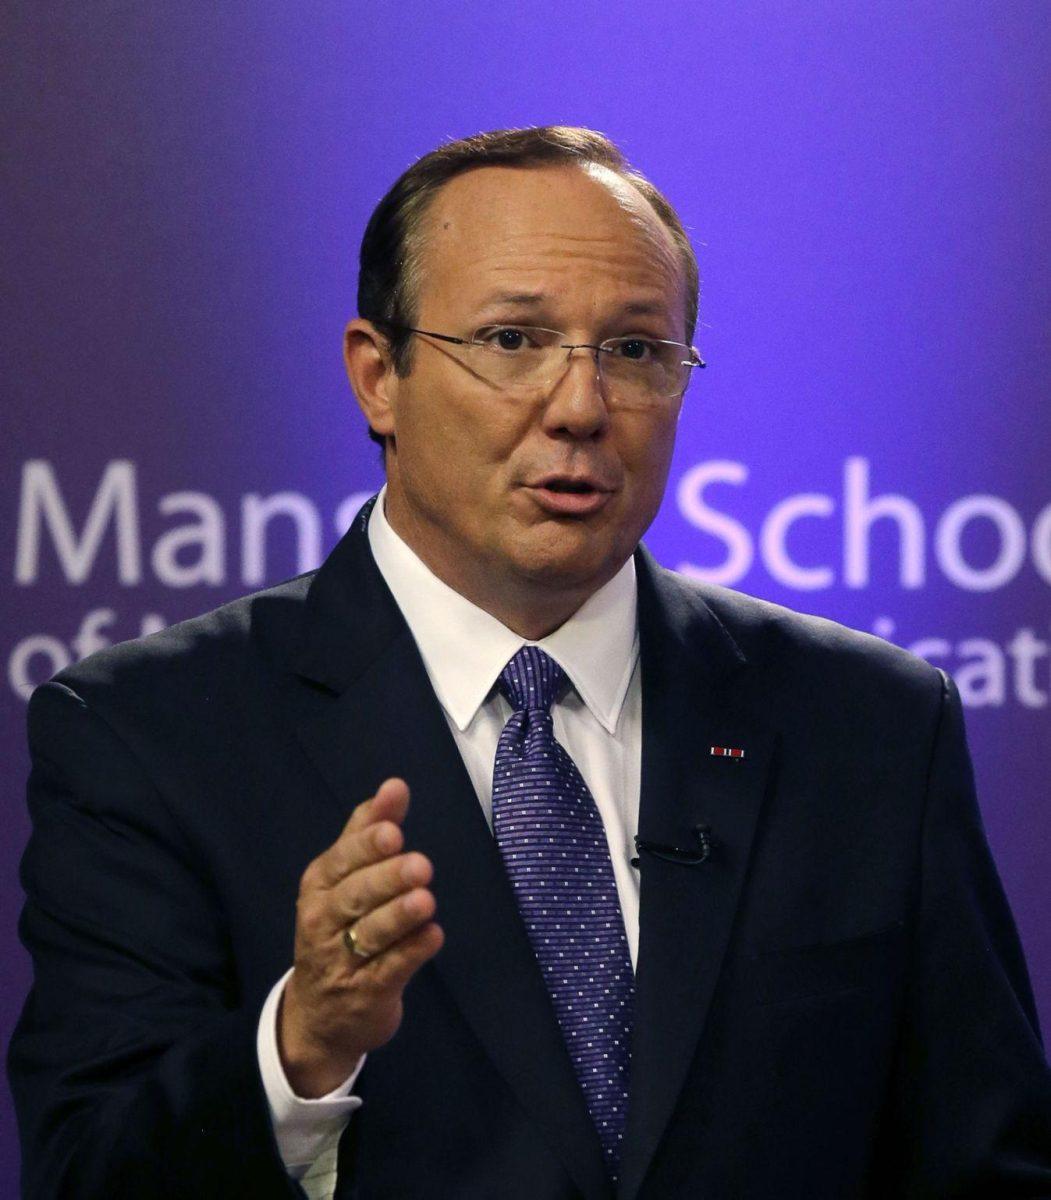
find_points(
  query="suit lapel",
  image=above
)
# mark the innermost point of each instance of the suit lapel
(364, 710)
(694, 678)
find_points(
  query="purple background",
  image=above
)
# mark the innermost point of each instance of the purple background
(868, 189)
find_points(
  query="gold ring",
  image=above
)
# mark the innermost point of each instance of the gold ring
(350, 940)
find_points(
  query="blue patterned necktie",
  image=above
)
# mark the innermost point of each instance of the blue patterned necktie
(554, 847)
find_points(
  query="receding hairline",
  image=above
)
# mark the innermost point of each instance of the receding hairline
(616, 182)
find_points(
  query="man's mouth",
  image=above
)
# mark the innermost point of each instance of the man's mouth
(569, 496)
(579, 486)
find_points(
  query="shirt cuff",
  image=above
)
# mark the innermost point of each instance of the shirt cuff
(303, 1128)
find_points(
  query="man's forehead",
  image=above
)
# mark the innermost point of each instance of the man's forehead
(510, 215)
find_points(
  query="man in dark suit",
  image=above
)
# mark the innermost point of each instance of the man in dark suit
(753, 861)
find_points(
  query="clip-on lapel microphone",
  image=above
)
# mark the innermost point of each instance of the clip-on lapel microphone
(681, 855)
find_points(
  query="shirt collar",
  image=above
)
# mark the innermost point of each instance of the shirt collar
(464, 648)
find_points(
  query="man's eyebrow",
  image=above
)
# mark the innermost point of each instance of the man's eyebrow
(521, 299)
(633, 308)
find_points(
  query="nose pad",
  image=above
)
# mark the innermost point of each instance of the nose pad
(567, 364)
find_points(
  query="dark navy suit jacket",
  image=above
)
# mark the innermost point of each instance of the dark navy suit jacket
(833, 1006)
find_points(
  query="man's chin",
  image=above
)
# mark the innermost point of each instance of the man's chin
(568, 563)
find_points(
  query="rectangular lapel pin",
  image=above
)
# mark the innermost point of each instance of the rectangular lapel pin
(726, 752)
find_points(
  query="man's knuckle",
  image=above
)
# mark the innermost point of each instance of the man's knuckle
(310, 918)
(354, 904)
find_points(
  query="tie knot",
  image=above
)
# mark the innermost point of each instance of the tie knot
(531, 680)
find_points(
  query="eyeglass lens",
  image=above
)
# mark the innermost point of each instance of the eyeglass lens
(635, 370)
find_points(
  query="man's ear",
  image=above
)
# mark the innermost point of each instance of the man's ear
(371, 373)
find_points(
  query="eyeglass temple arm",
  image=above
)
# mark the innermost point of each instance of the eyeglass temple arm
(442, 337)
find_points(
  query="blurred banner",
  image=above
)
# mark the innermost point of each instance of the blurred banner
(869, 190)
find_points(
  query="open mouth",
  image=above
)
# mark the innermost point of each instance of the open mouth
(565, 497)
(579, 488)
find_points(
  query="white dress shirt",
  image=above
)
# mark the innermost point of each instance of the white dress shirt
(598, 720)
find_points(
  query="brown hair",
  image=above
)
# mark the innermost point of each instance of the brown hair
(390, 248)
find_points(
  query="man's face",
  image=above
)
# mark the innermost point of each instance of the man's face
(477, 479)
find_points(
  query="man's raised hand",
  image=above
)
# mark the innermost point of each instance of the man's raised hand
(338, 1005)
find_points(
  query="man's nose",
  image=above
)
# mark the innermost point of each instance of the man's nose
(576, 401)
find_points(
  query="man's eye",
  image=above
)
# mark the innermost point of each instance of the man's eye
(638, 349)
(505, 337)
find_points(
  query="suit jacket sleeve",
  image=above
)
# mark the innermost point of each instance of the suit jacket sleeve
(134, 1065)
(972, 1092)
